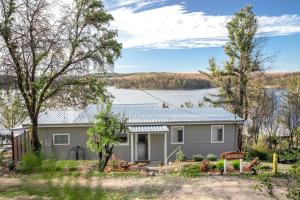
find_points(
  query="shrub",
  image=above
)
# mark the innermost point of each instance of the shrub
(235, 164)
(30, 162)
(114, 164)
(220, 164)
(1, 158)
(198, 157)
(212, 157)
(212, 166)
(261, 154)
(288, 156)
(191, 171)
(180, 156)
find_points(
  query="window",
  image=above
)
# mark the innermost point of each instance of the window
(217, 134)
(123, 139)
(61, 139)
(177, 135)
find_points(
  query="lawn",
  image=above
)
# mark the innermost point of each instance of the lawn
(78, 180)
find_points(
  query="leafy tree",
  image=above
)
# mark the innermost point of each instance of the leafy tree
(244, 57)
(105, 134)
(42, 51)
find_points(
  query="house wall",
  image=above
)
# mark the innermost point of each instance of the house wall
(78, 137)
(197, 140)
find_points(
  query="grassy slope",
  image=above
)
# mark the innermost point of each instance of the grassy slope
(164, 80)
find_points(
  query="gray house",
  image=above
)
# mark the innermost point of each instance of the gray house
(154, 133)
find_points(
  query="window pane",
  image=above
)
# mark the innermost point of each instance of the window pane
(180, 136)
(61, 139)
(217, 134)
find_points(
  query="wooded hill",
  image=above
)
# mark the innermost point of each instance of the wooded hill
(172, 81)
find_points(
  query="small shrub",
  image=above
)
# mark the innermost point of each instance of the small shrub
(261, 154)
(114, 164)
(198, 157)
(212, 166)
(30, 162)
(180, 156)
(220, 165)
(191, 171)
(212, 157)
(67, 165)
(236, 164)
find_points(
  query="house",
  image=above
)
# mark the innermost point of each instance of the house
(154, 131)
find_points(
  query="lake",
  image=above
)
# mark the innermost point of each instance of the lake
(175, 97)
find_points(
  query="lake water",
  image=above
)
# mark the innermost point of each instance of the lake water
(175, 97)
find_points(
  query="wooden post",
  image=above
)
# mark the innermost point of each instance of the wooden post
(225, 166)
(17, 149)
(241, 165)
(12, 145)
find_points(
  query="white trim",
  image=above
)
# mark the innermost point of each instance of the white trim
(132, 147)
(211, 132)
(173, 127)
(149, 146)
(124, 144)
(55, 134)
(165, 149)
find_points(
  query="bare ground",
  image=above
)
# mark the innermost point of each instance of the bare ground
(207, 187)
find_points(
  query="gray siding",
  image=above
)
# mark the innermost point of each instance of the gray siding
(78, 137)
(197, 140)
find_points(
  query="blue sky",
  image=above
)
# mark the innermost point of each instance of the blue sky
(180, 35)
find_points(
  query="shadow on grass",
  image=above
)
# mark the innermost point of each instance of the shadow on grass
(47, 189)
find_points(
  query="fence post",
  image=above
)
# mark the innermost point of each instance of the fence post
(12, 145)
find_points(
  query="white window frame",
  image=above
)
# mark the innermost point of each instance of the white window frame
(172, 132)
(55, 134)
(211, 132)
(124, 144)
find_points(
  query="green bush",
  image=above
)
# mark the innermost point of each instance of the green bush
(114, 164)
(235, 164)
(220, 164)
(198, 157)
(180, 156)
(212, 166)
(212, 157)
(294, 188)
(191, 171)
(261, 154)
(288, 156)
(30, 162)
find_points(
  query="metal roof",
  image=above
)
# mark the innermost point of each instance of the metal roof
(139, 114)
(148, 129)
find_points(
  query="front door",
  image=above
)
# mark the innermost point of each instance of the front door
(142, 147)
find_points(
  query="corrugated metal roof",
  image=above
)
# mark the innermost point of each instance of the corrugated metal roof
(148, 129)
(139, 114)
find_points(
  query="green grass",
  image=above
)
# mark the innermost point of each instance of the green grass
(74, 192)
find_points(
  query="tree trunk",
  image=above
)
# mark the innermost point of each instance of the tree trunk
(35, 138)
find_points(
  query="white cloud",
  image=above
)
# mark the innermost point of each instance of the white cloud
(173, 26)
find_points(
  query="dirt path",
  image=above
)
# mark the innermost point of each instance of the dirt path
(206, 188)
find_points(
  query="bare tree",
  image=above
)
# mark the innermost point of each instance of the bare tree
(42, 50)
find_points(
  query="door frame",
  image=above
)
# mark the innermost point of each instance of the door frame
(148, 146)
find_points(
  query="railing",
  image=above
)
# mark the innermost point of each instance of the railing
(173, 152)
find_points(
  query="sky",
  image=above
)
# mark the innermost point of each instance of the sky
(181, 35)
